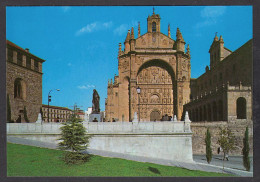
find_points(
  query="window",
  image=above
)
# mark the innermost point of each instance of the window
(19, 59)
(10, 55)
(36, 66)
(220, 76)
(19, 88)
(153, 27)
(241, 108)
(28, 62)
(234, 68)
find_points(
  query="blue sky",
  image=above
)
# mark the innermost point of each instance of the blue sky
(80, 44)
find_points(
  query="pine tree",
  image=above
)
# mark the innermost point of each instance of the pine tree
(25, 115)
(9, 120)
(74, 140)
(246, 160)
(208, 146)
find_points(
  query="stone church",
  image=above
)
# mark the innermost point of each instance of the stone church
(158, 66)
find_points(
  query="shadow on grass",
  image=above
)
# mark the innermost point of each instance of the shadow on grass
(154, 170)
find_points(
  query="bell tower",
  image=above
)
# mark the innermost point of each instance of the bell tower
(153, 23)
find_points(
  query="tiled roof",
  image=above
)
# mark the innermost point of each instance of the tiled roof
(17, 47)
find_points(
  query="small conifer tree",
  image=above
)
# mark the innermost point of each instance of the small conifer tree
(74, 141)
(25, 115)
(9, 120)
(246, 160)
(208, 146)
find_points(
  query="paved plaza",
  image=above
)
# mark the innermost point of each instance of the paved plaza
(233, 166)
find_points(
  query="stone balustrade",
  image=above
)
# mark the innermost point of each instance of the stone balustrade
(104, 127)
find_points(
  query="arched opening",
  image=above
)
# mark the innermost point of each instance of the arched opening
(209, 113)
(200, 114)
(19, 89)
(156, 80)
(197, 115)
(215, 111)
(205, 113)
(153, 27)
(155, 116)
(155, 99)
(220, 110)
(241, 108)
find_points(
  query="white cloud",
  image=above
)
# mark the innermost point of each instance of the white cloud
(210, 15)
(122, 29)
(65, 8)
(85, 87)
(82, 87)
(95, 26)
(213, 11)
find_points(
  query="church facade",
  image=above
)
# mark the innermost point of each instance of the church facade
(156, 65)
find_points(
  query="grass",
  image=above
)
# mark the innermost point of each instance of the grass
(23, 160)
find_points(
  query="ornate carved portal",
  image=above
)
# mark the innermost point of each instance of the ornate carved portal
(156, 97)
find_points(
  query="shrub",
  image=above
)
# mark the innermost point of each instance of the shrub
(246, 160)
(208, 146)
(25, 115)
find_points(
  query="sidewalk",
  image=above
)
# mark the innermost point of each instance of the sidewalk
(198, 165)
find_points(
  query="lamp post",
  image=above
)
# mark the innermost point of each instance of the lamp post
(49, 100)
(138, 89)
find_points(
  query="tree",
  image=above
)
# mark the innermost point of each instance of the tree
(208, 146)
(25, 115)
(226, 141)
(246, 160)
(9, 120)
(74, 140)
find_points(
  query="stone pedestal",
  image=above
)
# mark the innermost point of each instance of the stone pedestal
(93, 116)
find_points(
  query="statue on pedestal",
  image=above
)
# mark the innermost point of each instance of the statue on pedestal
(95, 102)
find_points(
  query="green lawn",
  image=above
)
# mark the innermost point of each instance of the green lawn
(25, 160)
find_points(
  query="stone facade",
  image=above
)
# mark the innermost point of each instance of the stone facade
(23, 82)
(57, 114)
(159, 66)
(223, 92)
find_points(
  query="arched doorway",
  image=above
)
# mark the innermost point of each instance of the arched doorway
(241, 108)
(156, 80)
(155, 116)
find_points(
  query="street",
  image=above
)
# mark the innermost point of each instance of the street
(235, 162)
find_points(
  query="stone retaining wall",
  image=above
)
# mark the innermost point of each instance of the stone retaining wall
(237, 127)
(161, 140)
